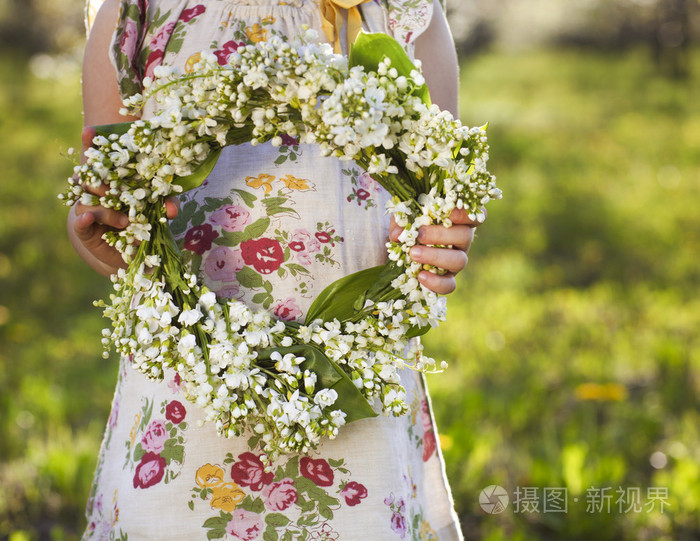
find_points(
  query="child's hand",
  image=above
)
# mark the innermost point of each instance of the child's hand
(87, 225)
(454, 259)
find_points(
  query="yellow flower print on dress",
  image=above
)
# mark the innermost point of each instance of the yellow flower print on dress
(135, 428)
(294, 183)
(226, 497)
(269, 20)
(426, 533)
(261, 180)
(209, 476)
(256, 33)
(192, 62)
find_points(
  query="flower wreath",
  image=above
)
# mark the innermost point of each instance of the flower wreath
(291, 383)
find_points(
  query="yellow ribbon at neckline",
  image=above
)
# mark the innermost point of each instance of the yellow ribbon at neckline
(332, 20)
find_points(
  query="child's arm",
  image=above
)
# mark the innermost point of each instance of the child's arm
(101, 104)
(435, 48)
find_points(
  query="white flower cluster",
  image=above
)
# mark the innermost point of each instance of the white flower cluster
(235, 363)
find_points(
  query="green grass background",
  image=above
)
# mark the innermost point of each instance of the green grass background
(572, 339)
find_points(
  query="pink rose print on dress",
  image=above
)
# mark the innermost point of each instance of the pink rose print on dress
(223, 263)
(263, 254)
(280, 495)
(354, 493)
(245, 525)
(198, 239)
(249, 471)
(175, 412)
(129, 39)
(317, 470)
(227, 49)
(429, 440)
(154, 438)
(228, 291)
(157, 48)
(367, 182)
(286, 310)
(150, 471)
(231, 217)
(188, 14)
(398, 520)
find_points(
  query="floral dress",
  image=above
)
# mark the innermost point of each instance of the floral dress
(271, 226)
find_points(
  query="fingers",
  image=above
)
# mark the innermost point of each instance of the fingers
(103, 216)
(172, 207)
(441, 285)
(443, 258)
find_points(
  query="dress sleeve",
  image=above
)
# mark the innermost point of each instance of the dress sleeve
(127, 44)
(408, 19)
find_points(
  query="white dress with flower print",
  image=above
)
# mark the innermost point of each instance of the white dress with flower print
(272, 227)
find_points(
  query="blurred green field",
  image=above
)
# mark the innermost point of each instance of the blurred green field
(572, 340)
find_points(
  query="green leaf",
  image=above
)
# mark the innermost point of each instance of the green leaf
(270, 534)
(370, 49)
(190, 504)
(229, 238)
(216, 534)
(202, 172)
(120, 128)
(291, 469)
(172, 451)
(248, 198)
(325, 512)
(256, 229)
(138, 452)
(336, 301)
(248, 278)
(281, 159)
(216, 522)
(259, 298)
(336, 463)
(278, 520)
(330, 376)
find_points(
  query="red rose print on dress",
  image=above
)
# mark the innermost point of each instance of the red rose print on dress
(198, 239)
(188, 14)
(154, 438)
(150, 471)
(223, 263)
(280, 495)
(353, 493)
(323, 237)
(249, 471)
(227, 49)
(175, 412)
(245, 525)
(317, 470)
(263, 254)
(286, 310)
(231, 217)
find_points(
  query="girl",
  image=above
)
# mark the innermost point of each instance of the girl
(162, 474)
